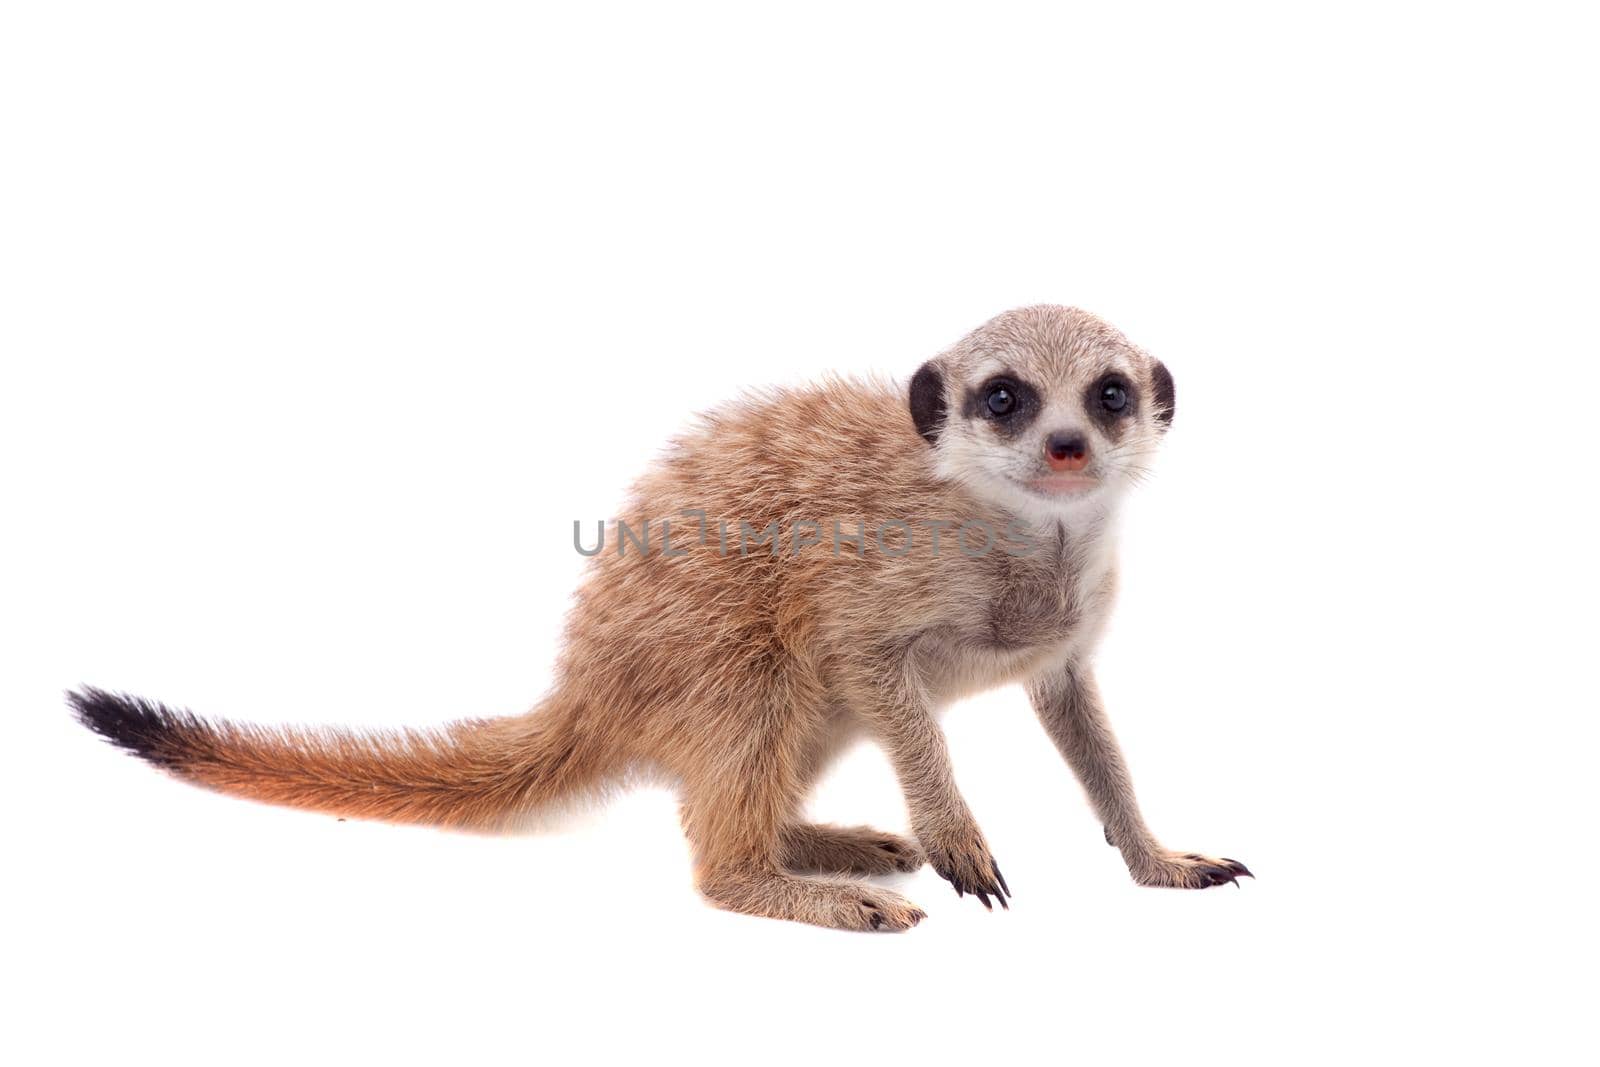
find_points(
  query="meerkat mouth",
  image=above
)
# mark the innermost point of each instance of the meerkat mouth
(1063, 484)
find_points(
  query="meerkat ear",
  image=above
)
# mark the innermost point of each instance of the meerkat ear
(927, 400)
(1166, 396)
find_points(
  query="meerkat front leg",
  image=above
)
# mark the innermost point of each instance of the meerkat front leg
(1068, 703)
(955, 847)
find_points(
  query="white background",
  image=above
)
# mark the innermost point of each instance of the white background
(322, 322)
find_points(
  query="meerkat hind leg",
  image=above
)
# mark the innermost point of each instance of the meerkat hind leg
(737, 868)
(823, 849)
(735, 827)
(838, 904)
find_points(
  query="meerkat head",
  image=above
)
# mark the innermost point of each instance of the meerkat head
(1046, 411)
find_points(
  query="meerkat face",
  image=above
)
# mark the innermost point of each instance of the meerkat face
(1046, 411)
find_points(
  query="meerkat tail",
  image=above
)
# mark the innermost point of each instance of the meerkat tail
(472, 774)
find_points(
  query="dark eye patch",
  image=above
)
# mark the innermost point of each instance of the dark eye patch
(1111, 400)
(1005, 402)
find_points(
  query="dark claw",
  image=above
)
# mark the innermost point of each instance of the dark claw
(877, 920)
(1110, 842)
(981, 888)
(1238, 868)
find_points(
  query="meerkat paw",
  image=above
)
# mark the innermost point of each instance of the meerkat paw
(840, 905)
(1189, 870)
(963, 860)
(859, 907)
(820, 849)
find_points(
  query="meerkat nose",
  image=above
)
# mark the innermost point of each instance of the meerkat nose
(1066, 451)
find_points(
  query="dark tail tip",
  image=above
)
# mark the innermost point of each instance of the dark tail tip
(149, 730)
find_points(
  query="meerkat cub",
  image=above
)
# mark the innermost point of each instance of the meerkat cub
(806, 566)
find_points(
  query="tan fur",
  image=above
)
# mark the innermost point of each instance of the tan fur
(740, 676)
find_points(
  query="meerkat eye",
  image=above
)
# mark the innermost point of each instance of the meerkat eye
(1001, 401)
(1113, 397)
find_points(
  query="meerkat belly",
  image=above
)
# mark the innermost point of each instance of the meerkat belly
(969, 659)
(1038, 604)
(975, 668)
(1038, 617)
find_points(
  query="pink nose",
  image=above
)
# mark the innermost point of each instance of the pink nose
(1066, 452)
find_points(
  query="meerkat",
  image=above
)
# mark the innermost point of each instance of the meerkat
(740, 671)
